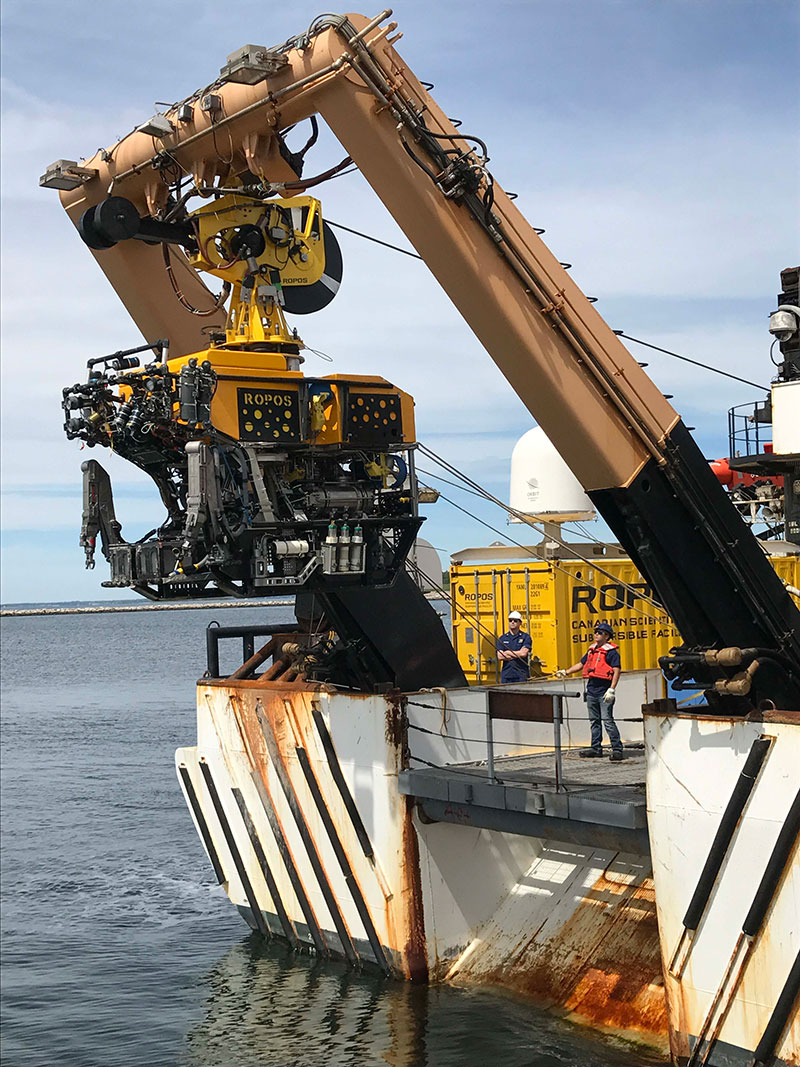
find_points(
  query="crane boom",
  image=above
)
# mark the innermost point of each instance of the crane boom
(614, 428)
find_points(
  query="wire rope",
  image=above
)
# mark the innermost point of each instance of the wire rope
(475, 487)
(454, 607)
(375, 240)
(619, 333)
(694, 362)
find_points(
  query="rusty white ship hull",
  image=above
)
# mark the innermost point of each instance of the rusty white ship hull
(323, 834)
(696, 761)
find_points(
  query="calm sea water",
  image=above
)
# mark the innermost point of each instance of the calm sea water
(119, 947)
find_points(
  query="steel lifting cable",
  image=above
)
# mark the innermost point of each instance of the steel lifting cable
(476, 488)
(453, 606)
(619, 333)
(528, 549)
(558, 566)
(464, 711)
(581, 529)
(375, 240)
(471, 711)
(694, 362)
(454, 770)
(455, 485)
(487, 634)
(391, 98)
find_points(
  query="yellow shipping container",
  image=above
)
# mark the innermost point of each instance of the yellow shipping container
(560, 601)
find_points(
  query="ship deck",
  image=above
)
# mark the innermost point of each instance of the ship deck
(593, 801)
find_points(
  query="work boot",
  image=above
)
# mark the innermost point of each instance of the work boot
(615, 757)
(591, 753)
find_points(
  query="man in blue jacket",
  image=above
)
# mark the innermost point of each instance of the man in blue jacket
(513, 651)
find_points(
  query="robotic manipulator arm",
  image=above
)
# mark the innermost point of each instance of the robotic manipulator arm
(271, 479)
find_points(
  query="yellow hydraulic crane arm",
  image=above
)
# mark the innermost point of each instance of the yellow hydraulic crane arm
(593, 400)
(613, 427)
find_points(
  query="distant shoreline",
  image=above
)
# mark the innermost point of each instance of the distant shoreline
(187, 605)
(110, 609)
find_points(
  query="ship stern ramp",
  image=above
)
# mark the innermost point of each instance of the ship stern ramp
(314, 810)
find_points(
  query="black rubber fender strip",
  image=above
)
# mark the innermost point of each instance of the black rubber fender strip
(341, 784)
(205, 833)
(305, 835)
(725, 831)
(238, 863)
(286, 923)
(288, 862)
(779, 1018)
(344, 863)
(775, 867)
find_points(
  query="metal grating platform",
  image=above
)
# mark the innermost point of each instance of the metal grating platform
(597, 802)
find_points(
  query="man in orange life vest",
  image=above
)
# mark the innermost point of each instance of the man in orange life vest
(601, 667)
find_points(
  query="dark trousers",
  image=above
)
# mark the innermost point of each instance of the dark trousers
(600, 715)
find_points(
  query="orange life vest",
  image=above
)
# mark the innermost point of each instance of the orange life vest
(596, 665)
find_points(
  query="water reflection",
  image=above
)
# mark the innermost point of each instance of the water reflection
(270, 1008)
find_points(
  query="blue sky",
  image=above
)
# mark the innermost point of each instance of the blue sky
(655, 141)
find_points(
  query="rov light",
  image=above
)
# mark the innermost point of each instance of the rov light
(65, 174)
(157, 126)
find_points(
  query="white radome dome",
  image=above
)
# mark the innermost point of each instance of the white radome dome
(428, 572)
(542, 485)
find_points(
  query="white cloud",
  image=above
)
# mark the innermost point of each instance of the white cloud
(670, 188)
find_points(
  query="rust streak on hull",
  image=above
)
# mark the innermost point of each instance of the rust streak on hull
(408, 913)
(415, 951)
(603, 964)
